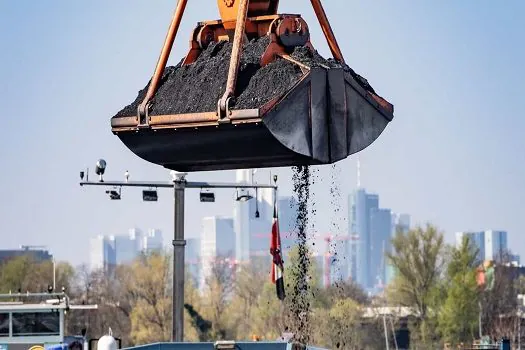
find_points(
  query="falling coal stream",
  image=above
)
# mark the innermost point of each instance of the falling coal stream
(300, 300)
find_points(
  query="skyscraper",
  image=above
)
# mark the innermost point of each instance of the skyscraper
(495, 245)
(217, 242)
(380, 238)
(152, 241)
(477, 239)
(360, 206)
(400, 223)
(192, 258)
(127, 247)
(492, 245)
(253, 214)
(287, 211)
(102, 253)
(371, 230)
(108, 251)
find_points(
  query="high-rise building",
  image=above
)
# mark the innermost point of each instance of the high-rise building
(128, 247)
(217, 242)
(370, 234)
(477, 239)
(495, 244)
(491, 245)
(400, 223)
(152, 241)
(102, 253)
(253, 215)
(192, 257)
(360, 207)
(287, 211)
(336, 259)
(107, 251)
(380, 239)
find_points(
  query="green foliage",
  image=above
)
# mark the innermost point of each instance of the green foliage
(458, 318)
(418, 258)
(436, 281)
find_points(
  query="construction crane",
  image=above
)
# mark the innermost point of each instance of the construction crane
(327, 115)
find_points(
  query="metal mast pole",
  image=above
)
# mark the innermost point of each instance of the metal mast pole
(179, 244)
(179, 185)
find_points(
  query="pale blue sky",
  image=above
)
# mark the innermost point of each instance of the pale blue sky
(454, 154)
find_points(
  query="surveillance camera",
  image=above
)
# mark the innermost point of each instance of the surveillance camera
(81, 176)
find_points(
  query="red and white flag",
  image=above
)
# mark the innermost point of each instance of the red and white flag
(277, 258)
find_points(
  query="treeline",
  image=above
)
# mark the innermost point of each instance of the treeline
(135, 301)
(436, 281)
(439, 282)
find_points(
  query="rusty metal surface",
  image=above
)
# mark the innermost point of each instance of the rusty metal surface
(164, 55)
(235, 57)
(327, 30)
(192, 120)
(228, 10)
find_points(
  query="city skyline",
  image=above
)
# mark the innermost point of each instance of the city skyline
(443, 159)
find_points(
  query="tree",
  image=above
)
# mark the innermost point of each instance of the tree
(343, 290)
(217, 296)
(499, 304)
(270, 318)
(458, 318)
(149, 286)
(247, 289)
(417, 257)
(27, 275)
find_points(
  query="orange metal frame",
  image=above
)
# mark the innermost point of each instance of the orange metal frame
(255, 17)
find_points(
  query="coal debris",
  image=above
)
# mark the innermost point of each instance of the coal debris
(197, 87)
(300, 298)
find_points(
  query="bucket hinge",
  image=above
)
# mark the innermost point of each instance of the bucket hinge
(143, 115)
(224, 112)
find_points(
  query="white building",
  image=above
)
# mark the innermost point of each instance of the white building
(107, 251)
(102, 252)
(253, 217)
(217, 242)
(152, 241)
(495, 244)
(127, 247)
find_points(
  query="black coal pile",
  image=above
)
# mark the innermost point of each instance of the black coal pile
(197, 87)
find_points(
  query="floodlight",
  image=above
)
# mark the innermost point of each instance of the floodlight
(100, 168)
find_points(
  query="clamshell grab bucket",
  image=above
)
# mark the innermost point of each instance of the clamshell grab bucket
(325, 117)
